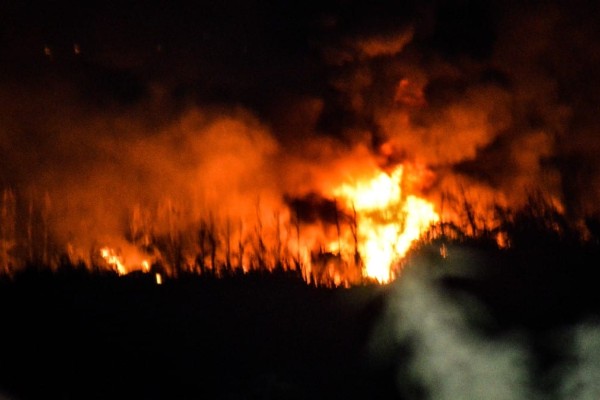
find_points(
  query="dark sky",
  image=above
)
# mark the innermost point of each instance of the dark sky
(252, 53)
(498, 97)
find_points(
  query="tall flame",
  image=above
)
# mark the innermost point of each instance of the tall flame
(387, 222)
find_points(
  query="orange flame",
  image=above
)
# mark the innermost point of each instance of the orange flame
(387, 222)
(113, 259)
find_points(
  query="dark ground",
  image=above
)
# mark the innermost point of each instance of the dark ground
(71, 336)
(80, 335)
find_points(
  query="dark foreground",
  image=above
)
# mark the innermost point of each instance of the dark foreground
(479, 323)
(77, 336)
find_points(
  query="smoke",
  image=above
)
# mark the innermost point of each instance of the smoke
(580, 372)
(449, 355)
(95, 168)
(481, 94)
(446, 344)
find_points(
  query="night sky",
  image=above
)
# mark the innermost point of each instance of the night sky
(142, 98)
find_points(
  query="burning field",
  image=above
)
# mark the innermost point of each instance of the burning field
(159, 150)
(150, 146)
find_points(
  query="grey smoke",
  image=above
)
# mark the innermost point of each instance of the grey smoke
(435, 342)
(580, 374)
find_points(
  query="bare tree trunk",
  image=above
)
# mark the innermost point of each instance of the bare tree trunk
(278, 243)
(7, 230)
(45, 229)
(30, 242)
(212, 239)
(442, 204)
(261, 248)
(297, 225)
(200, 259)
(241, 246)
(337, 227)
(354, 231)
(228, 244)
(468, 208)
(135, 224)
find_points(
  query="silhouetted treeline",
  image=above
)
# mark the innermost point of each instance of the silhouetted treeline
(535, 267)
(213, 246)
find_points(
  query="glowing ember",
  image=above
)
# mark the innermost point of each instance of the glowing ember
(387, 223)
(158, 278)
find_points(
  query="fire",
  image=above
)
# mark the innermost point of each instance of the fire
(387, 222)
(145, 266)
(375, 194)
(352, 229)
(113, 259)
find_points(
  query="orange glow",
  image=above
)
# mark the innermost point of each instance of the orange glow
(387, 222)
(368, 221)
(409, 93)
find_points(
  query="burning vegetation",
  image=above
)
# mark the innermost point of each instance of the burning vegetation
(360, 230)
(132, 149)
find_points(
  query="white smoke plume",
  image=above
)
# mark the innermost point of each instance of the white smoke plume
(436, 341)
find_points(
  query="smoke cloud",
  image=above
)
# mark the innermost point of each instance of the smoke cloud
(236, 107)
(580, 373)
(445, 344)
